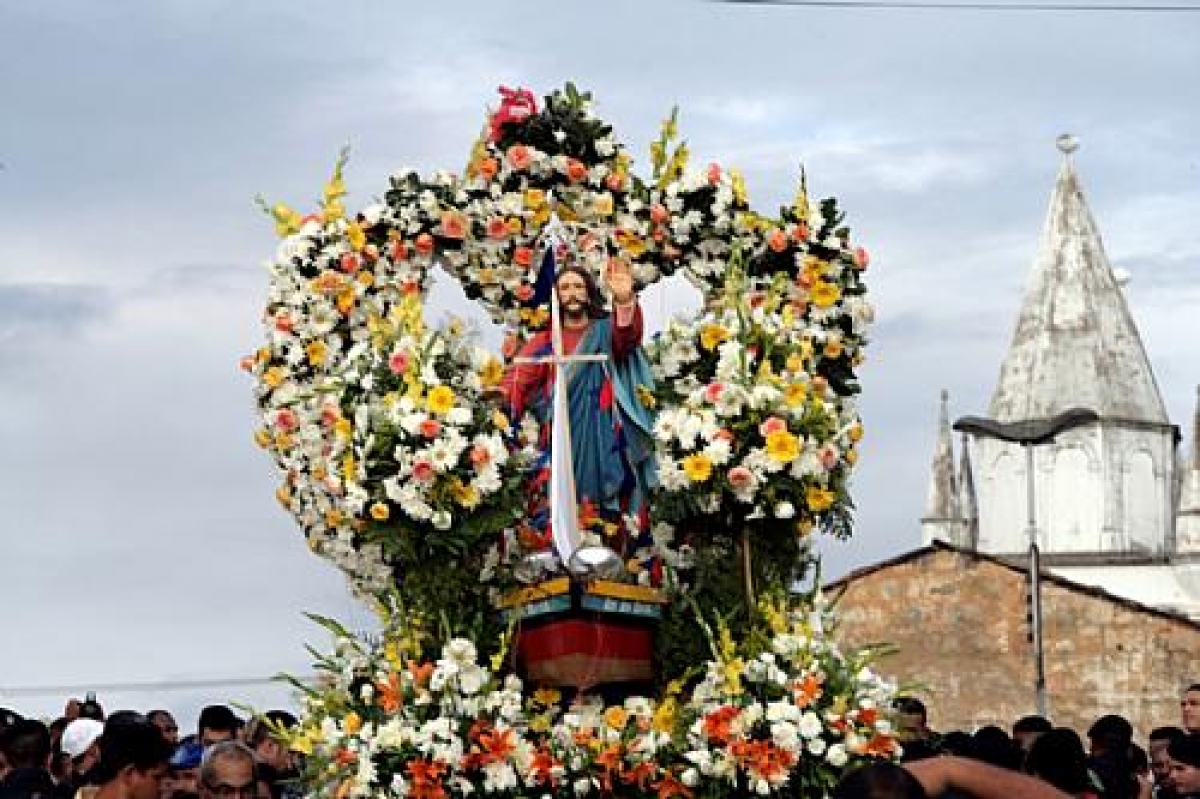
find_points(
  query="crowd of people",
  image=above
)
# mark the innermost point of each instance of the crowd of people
(126, 754)
(130, 755)
(1035, 759)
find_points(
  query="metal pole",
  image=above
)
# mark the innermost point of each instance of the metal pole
(1035, 587)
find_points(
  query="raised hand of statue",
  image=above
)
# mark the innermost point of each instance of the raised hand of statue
(619, 279)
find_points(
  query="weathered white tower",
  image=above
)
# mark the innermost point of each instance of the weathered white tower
(1106, 488)
(1187, 521)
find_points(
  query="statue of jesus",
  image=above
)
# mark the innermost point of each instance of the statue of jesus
(611, 428)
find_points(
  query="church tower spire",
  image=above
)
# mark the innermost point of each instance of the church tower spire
(1187, 521)
(942, 520)
(1102, 489)
(1076, 343)
(968, 503)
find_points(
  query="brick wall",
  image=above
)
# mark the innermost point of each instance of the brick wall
(958, 623)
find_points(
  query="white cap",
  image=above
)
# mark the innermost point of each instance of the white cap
(79, 735)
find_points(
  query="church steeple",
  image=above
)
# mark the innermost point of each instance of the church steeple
(942, 520)
(1106, 489)
(1187, 520)
(968, 503)
(1075, 342)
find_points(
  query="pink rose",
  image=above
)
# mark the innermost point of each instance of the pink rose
(772, 425)
(286, 420)
(398, 363)
(480, 456)
(740, 478)
(828, 455)
(714, 174)
(713, 392)
(430, 428)
(423, 471)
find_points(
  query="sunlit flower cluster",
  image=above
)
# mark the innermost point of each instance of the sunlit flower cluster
(787, 715)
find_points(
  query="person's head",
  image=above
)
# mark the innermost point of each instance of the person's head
(992, 745)
(579, 297)
(81, 742)
(184, 770)
(166, 725)
(90, 709)
(1184, 752)
(1057, 757)
(133, 757)
(261, 739)
(879, 781)
(1027, 729)
(26, 744)
(1138, 760)
(911, 719)
(1160, 761)
(1110, 734)
(228, 771)
(217, 723)
(1189, 708)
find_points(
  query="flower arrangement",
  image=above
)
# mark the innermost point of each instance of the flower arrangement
(781, 714)
(401, 468)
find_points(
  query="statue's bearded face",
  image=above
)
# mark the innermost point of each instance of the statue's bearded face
(572, 295)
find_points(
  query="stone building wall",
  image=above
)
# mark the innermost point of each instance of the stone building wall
(958, 623)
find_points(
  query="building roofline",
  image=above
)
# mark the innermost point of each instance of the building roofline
(842, 583)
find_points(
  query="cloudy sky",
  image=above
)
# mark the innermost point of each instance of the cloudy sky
(139, 538)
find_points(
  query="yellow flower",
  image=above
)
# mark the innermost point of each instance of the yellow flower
(500, 421)
(540, 723)
(333, 517)
(851, 456)
(343, 428)
(783, 446)
(440, 400)
(804, 527)
(464, 494)
(603, 205)
(739, 186)
(283, 441)
(795, 394)
(346, 299)
(352, 723)
(365, 278)
(262, 437)
(711, 336)
(646, 397)
(284, 495)
(335, 188)
(514, 225)
(546, 697)
(630, 243)
(794, 363)
(697, 467)
(615, 717)
(825, 294)
(379, 511)
(664, 716)
(818, 498)
(356, 236)
(491, 373)
(833, 348)
(732, 672)
(334, 210)
(855, 432)
(302, 743)
(275, 376)
(349, 467)
(316, 352)
(534, 198)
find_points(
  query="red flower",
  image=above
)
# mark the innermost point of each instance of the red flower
(516, 105)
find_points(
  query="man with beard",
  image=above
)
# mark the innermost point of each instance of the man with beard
(611, 439)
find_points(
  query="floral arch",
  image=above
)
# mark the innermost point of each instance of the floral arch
(402, 469)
